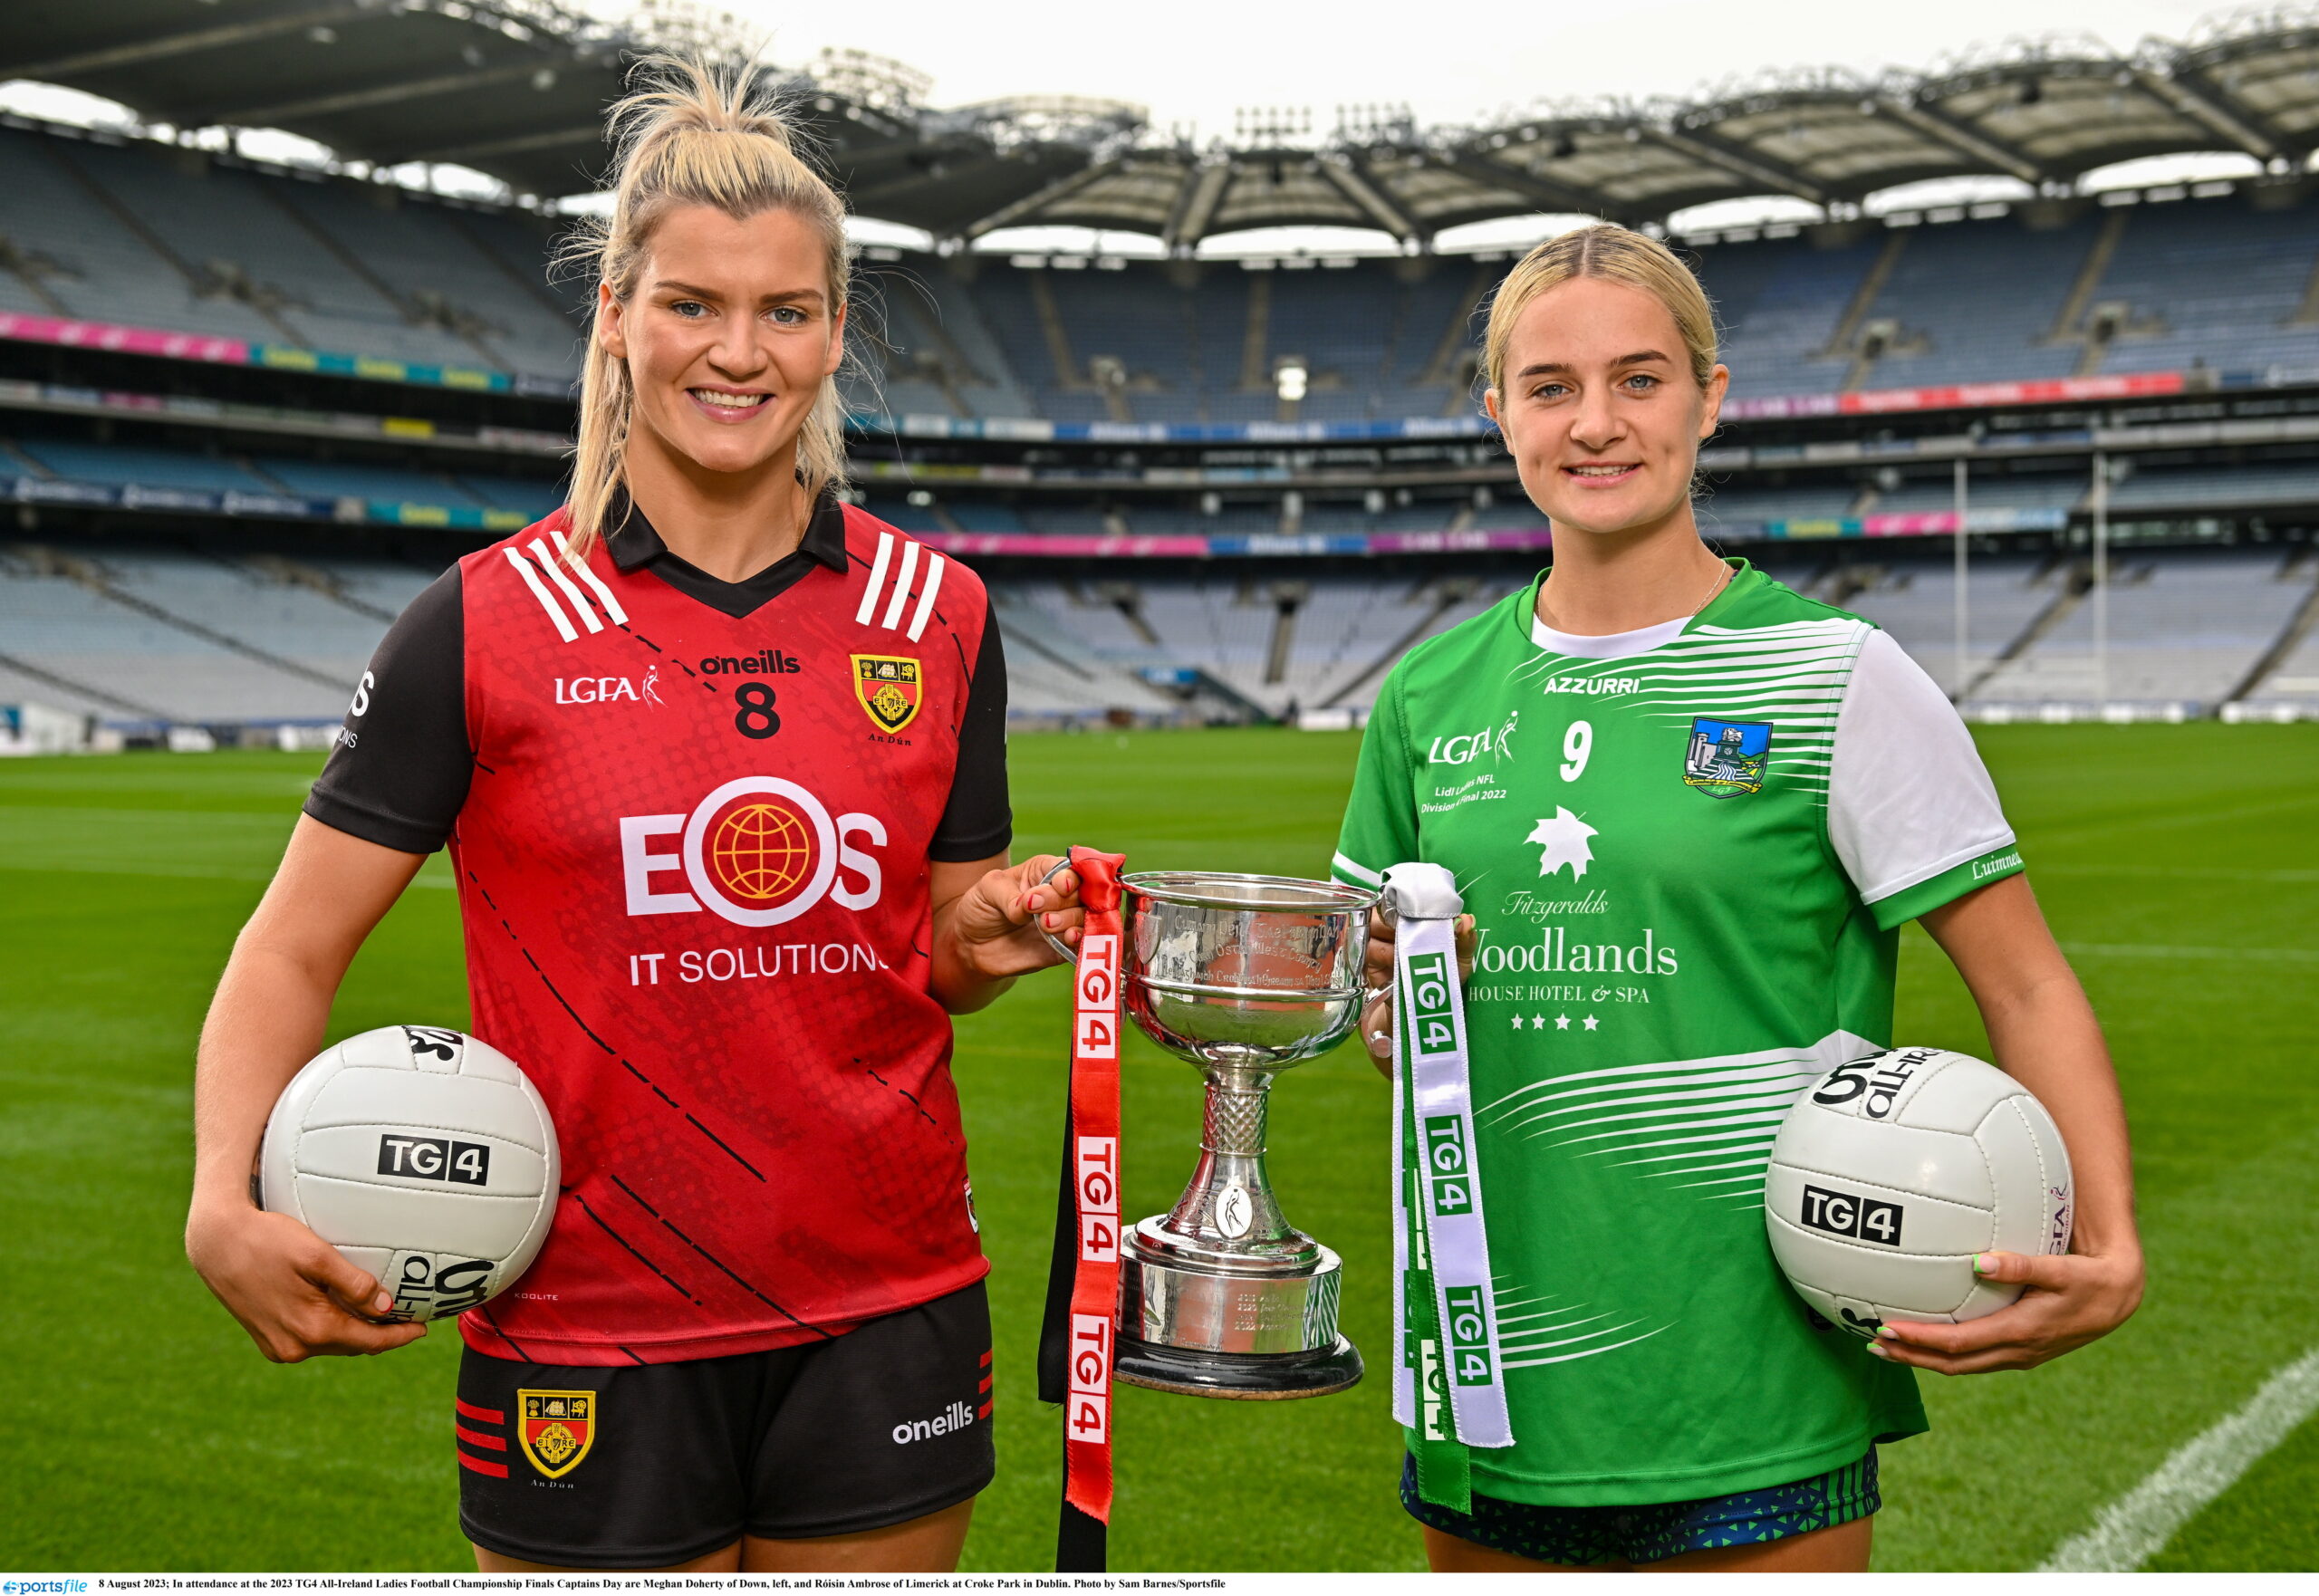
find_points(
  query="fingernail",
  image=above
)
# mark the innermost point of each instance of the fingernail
(382, 1303)
(1888, 1332)
(1047, 921)
(1876, 1350)
(1984, 1264)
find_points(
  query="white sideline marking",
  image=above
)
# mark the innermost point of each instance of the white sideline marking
(2133, 1527)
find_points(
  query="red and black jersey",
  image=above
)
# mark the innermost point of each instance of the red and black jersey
(692, 857)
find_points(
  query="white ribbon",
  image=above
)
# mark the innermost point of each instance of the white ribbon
(1442, 1238)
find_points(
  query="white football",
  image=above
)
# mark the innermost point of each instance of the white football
(423, 1155)
(1894, 1170)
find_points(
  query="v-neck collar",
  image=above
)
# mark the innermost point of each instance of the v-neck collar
(638, 546)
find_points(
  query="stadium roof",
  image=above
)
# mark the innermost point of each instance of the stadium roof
(391, 82)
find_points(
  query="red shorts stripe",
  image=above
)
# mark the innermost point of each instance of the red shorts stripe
(487, 1415)
(473, 1438)
(983, 1413)
(496, 1470)
(985, 1360)
(985, 1387)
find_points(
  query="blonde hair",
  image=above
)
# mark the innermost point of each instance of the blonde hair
(1614, 254)
(694, 134)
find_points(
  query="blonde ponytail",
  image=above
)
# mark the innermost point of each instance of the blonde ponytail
(691, 134)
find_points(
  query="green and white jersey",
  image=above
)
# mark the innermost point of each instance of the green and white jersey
(1688, 851)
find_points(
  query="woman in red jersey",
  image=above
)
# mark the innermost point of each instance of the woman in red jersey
(764, 1273)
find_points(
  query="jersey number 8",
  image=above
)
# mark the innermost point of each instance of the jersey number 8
(756, 718)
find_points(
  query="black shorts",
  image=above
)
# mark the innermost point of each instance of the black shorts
(643, 1466)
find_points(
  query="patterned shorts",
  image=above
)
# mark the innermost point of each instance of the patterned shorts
(1581, 1536)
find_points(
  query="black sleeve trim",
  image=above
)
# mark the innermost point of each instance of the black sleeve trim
(977, 822)
(399, 775)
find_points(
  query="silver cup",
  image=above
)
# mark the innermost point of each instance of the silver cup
(1242, 976)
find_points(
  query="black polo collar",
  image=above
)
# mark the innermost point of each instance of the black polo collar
(635, 546)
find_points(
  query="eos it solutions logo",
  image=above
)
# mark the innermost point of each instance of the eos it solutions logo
(757, 851)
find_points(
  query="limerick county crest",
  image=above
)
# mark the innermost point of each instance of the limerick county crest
(888, 688)
(1725, 758)
(556, 1428)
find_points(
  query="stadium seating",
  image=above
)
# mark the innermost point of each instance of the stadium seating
(2183, 629)
(1780, 301)
(89, 263)
(2291, 683)
(120, 465)
(2213, 282)
(146, 635)
(126, 231)
(107, 229)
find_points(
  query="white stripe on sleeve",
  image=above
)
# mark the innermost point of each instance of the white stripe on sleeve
(1361, 874)
(595, 583)
(553, 567)
(934, 563)
(901, 586)
(539, 591)
(877, 578)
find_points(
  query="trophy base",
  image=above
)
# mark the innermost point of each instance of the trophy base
(1243, 1377)
(1196, 1307)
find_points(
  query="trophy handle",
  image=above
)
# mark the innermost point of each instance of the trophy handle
(1069, 954)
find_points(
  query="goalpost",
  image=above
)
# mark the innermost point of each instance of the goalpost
(1962, 605)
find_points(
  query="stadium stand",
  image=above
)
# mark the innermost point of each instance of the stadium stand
(2182, 630)
(147, 636)
(80, 460)
(382, 371)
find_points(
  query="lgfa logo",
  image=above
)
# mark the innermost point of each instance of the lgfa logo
(758, 851)
(1473, 746)
(608, 689)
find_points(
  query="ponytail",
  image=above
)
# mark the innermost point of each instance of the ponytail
(690, 134)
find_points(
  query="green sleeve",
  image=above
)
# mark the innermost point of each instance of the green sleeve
(1949, 886)
(1381, 817)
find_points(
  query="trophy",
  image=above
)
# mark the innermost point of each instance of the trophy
(1242, 976)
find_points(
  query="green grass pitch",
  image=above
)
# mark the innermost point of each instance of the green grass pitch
(143, 1432)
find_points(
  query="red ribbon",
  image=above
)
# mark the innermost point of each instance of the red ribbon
(1093, 1331)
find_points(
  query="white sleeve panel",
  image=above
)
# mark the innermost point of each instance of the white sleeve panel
(1908, 794)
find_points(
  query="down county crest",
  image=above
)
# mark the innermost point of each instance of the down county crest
(555, 1429)
(1725, 758)
(888, 688)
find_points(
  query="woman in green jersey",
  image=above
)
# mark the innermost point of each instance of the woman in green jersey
(1688, 809)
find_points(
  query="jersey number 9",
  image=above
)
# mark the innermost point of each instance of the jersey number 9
(1577, 743)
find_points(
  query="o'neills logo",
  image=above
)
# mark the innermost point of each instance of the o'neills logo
(1556, 950)
(758, 851)
(764, 662)
(957, 1416)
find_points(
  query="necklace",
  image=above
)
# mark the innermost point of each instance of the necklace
(1722, 575)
